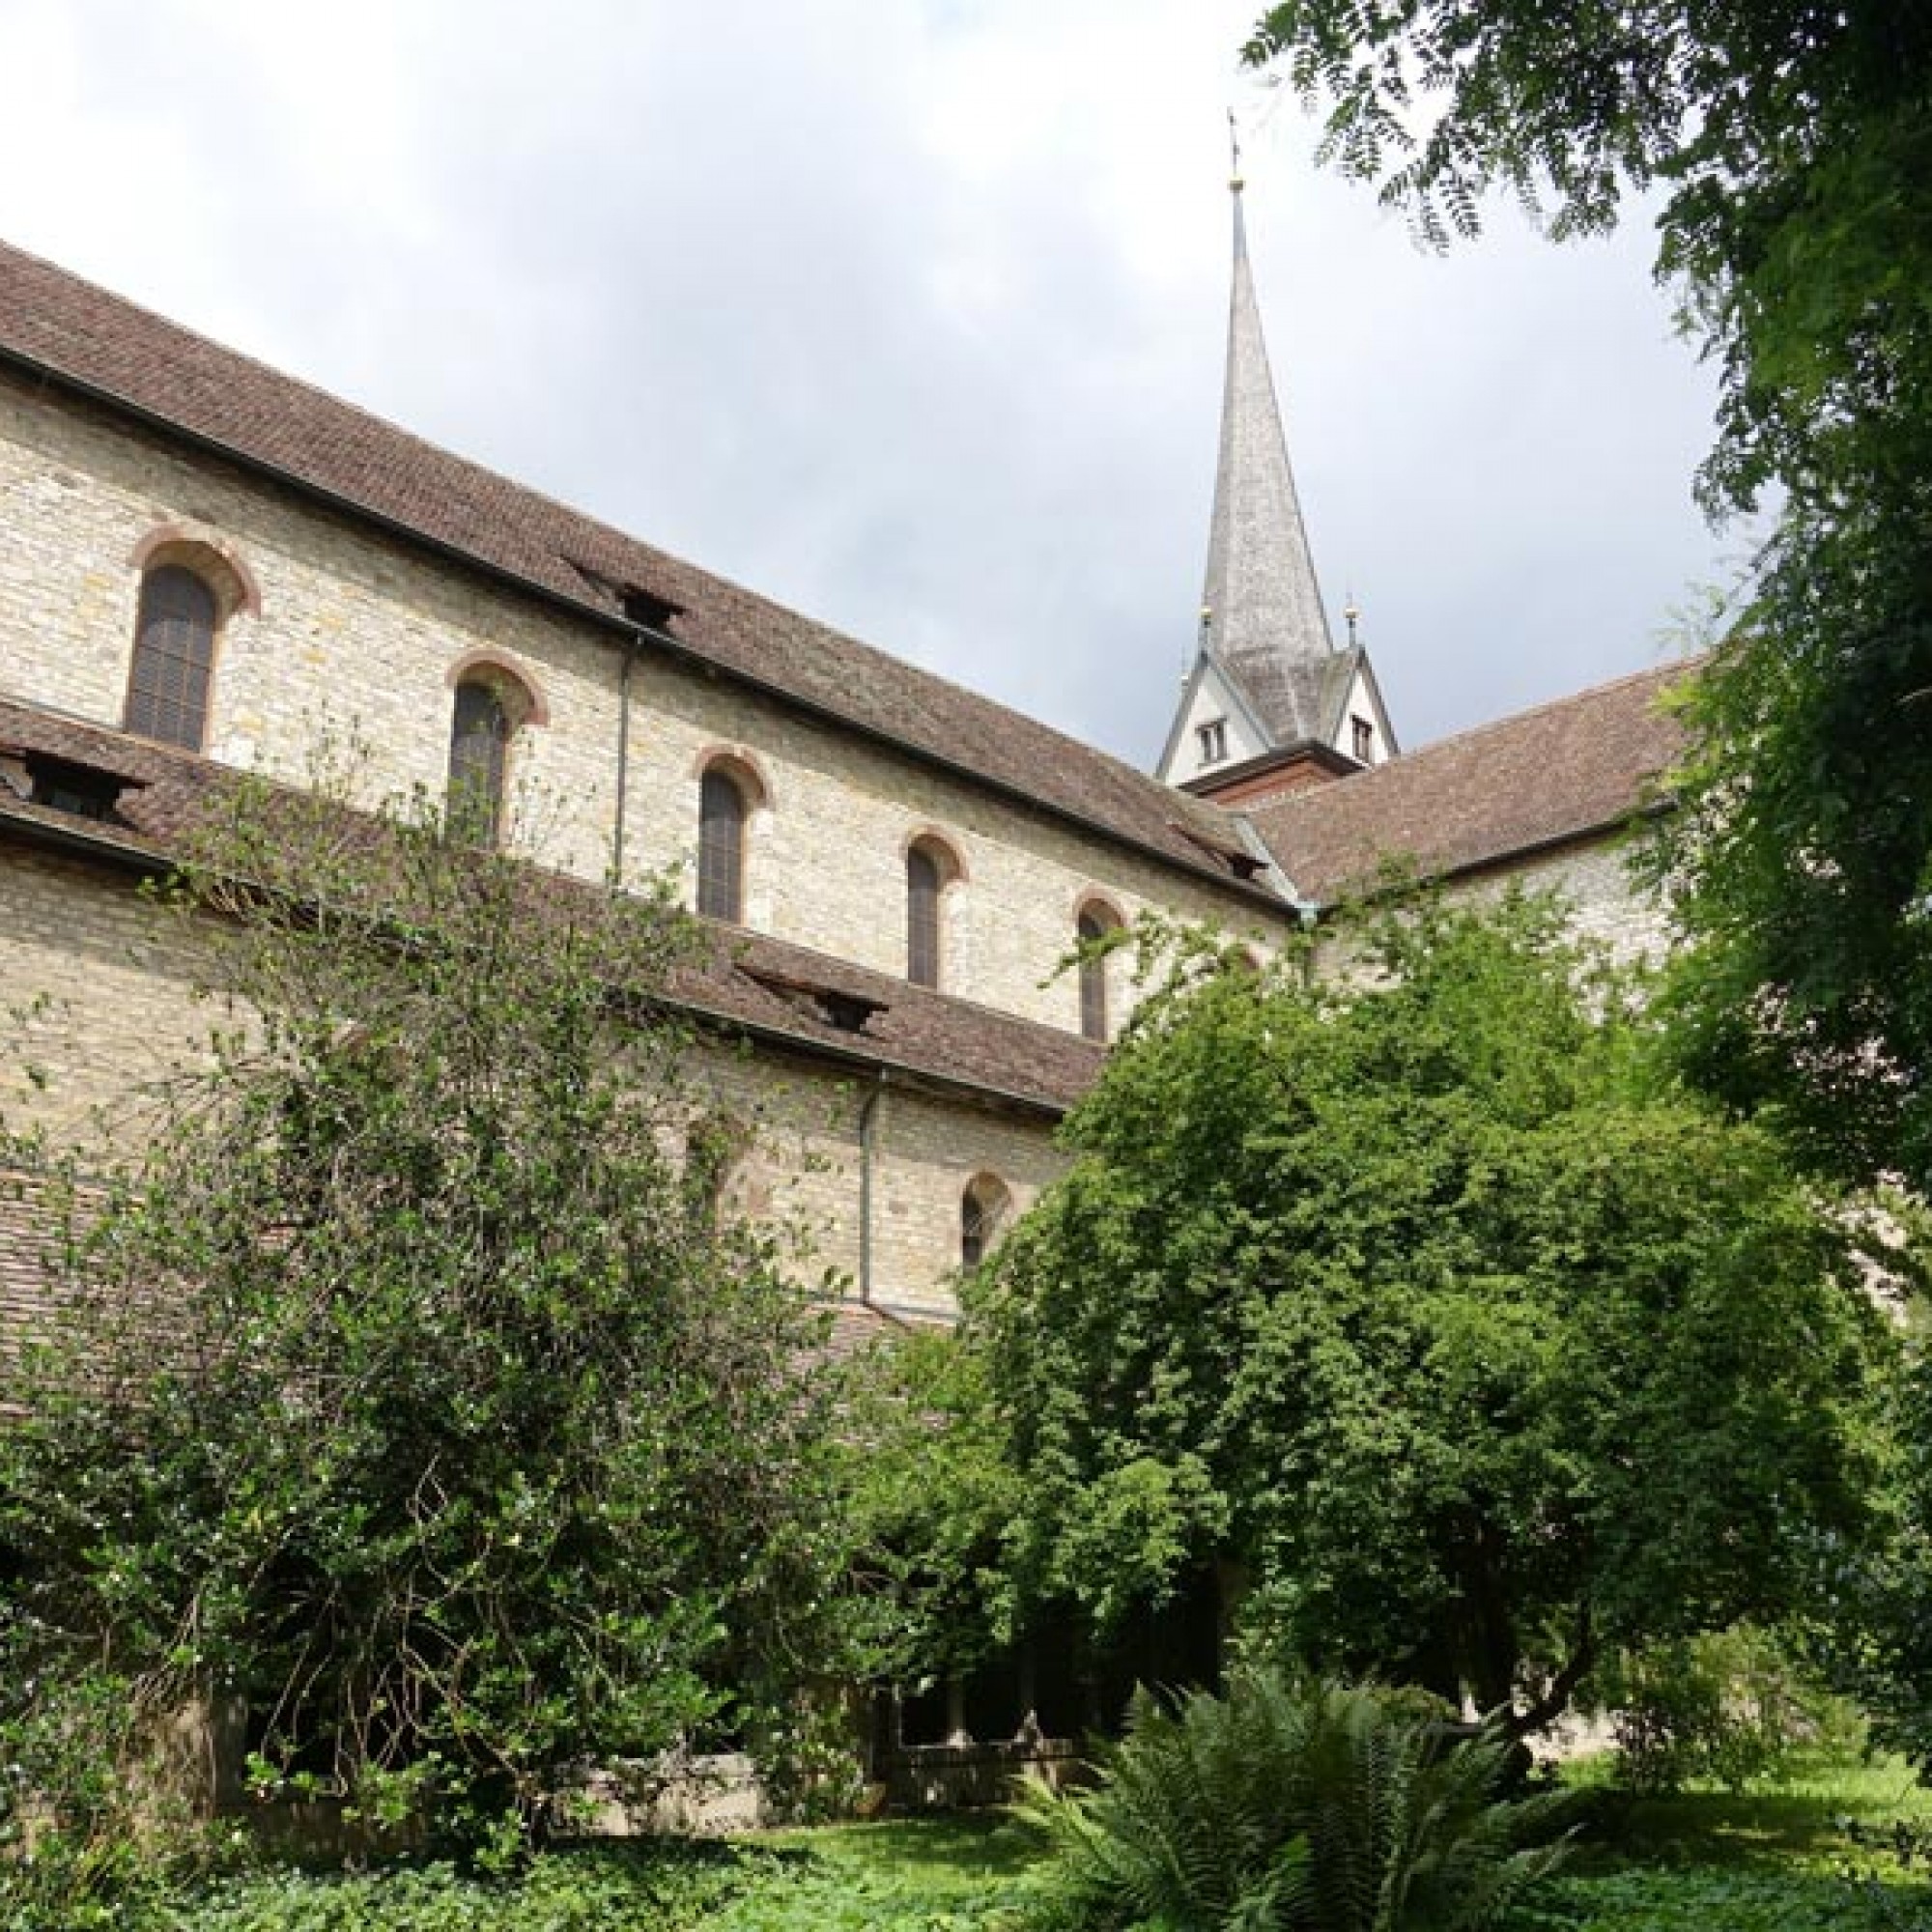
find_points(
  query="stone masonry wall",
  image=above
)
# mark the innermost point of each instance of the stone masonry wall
(1607, 904)
(99, 1009)
(353, 648)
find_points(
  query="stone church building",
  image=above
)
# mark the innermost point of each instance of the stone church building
(208, 565)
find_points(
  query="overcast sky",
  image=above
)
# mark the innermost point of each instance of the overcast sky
(909, 313)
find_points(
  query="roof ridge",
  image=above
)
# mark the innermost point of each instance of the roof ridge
(385, 425)
(1406, 760)
(710, 635)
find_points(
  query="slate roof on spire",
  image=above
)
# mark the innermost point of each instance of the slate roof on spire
(1266, 624)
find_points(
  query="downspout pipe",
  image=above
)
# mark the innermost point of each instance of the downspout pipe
(631, 647)
(868, 1114)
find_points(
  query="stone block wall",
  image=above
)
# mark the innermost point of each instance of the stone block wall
(1609, 906)
(99, 1011)
(1606, 904)
(348, 660)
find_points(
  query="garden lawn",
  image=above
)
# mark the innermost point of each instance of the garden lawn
(941, 1875)
(1777, 1861)
(1833, 1847)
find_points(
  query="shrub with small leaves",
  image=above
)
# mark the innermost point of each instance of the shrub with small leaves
(412, 1392)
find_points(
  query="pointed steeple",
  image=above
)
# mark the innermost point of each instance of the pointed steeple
(1267, 682)
(1266, 623)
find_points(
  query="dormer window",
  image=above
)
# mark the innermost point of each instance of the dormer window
(77, 790)
(1364, 740)
(60, 784)
(1212, 738)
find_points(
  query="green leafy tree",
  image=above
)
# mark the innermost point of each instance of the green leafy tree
(1787, 149)
(1425, 1312)
(411, 1391)
(931, 1494)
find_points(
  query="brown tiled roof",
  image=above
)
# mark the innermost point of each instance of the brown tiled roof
(182, 383)
(780, 992)
(1560, 771)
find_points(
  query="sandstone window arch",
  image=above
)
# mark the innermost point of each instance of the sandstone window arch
(728, 792)
(171, 678)
(985, 1207)
(191, 584)
(490, 706)
(1094, 920)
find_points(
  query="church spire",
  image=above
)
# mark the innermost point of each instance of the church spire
(1266, 623)
(1268, 685)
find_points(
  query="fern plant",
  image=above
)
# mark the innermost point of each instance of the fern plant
(1288, 1807)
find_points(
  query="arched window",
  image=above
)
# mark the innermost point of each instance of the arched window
(174, 658)
(931, 865)
(923, 886)
(479, 745)
(1093, 924)
(722, 810)
(982, 1214)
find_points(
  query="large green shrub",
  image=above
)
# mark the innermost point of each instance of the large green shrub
(1730, 1706)
(1424, 1311)
(1285, 1807)
(412, 1393)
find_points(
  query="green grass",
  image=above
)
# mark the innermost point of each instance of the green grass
(1779, 1860)
(943, 1875)
(937, 1875)
(1776, 1860)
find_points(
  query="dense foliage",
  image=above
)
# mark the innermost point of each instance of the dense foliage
(931, 1492)
(1427, 1311)
(411, 1393)
(1279, 1807)
(1789, 146)
(1882, 1646)
(1786, 147)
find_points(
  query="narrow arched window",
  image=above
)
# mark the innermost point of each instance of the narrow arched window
(925, 880)
(721, 813)
(174, 658)
(1093, 924)
(983, 1214)
(479, 745)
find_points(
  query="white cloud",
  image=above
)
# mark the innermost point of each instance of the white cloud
(909, 314)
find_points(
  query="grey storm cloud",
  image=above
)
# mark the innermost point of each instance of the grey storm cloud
(910, 316)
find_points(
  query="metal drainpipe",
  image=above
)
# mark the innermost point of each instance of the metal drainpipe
(623, 761)
(868, 1113)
